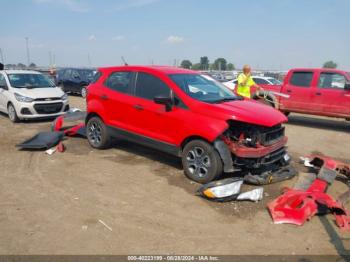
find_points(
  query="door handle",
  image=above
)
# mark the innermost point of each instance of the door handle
(318, 93)
(104, 97)
(289, 91)
(138, 107)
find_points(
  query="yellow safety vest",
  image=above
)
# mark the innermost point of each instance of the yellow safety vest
(244, 90)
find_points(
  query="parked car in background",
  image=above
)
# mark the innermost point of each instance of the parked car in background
(29, 94)
(320, 91)
(75, 80)
(186, 114)
(259, 80)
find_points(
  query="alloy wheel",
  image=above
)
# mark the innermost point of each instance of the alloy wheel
(95, 133)
(198, 162)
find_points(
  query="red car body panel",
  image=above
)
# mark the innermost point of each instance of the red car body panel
(333, 102)
(198, 119)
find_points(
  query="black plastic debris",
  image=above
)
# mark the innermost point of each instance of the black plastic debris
(269, 177)
(42, 141)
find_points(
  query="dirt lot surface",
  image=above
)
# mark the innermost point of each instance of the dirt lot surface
(57, 204)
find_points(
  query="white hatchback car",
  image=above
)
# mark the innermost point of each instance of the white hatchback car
(29, 94)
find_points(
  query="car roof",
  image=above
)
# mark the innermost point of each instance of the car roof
(161, 69)
(21, 72)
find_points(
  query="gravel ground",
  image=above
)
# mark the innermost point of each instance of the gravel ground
(133, 200)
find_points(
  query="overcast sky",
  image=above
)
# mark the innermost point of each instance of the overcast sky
(268, 34)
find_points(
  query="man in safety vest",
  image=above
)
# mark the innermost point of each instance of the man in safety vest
(245, 82)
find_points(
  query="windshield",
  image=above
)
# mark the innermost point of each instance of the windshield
(203, 88)
(30, 81)
(274, 81)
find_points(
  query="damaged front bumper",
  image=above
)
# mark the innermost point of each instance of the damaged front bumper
(261, 156)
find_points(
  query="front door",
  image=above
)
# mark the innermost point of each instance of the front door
(153, 120)
(299, 88)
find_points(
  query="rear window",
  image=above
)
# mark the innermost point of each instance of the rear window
(96, 77)
(301, 79)
(120, 81)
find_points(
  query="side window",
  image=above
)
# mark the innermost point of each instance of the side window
(260, 81)
(2, 80)
(149, 86)
(67, 74)
(301, 79)
(120, 81)
(331, 80)
(179, 103)
(75, 74)
(97, 75)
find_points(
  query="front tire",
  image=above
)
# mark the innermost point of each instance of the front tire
(83, 92)
(201, 162)
(97, 133)
(12, 113)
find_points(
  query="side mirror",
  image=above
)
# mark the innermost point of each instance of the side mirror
(347, 86)
(164, 100)
(3, 87)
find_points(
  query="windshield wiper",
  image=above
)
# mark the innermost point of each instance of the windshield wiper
(226, 99)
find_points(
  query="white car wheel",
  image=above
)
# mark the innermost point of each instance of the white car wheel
(12, 113)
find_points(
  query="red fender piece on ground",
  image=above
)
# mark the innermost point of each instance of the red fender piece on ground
(297, 206)
(58, 123)
(74, 130)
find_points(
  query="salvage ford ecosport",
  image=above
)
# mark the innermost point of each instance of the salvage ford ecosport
(189, 115)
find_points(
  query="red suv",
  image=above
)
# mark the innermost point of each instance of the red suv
(186, 114)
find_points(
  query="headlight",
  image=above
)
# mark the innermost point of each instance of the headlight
(21, 98)
(64, 97)
(222, 190)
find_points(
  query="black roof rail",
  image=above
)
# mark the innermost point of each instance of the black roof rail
(1, 66)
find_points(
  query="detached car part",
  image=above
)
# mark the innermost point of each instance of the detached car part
(72, 116)
(227, 190)
(297, 206)
(42, 140)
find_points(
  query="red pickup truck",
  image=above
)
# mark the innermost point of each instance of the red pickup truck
(324, 92)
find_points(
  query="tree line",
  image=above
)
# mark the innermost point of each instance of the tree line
(222, 64)
(204, 64)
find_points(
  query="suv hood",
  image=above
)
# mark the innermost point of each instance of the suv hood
(248, 111)
(40, 92)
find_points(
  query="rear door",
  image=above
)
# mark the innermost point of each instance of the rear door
(117, 94)
(330, 96)
(299, 87)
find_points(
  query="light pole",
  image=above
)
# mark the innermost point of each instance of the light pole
(27, 47)
(2, 56)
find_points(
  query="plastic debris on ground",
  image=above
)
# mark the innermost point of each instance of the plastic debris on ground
(42, 141)
(71, 116)
(296, 206)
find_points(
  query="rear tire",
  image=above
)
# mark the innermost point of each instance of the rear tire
(201, 162)
(97, 133)
(11, 110)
